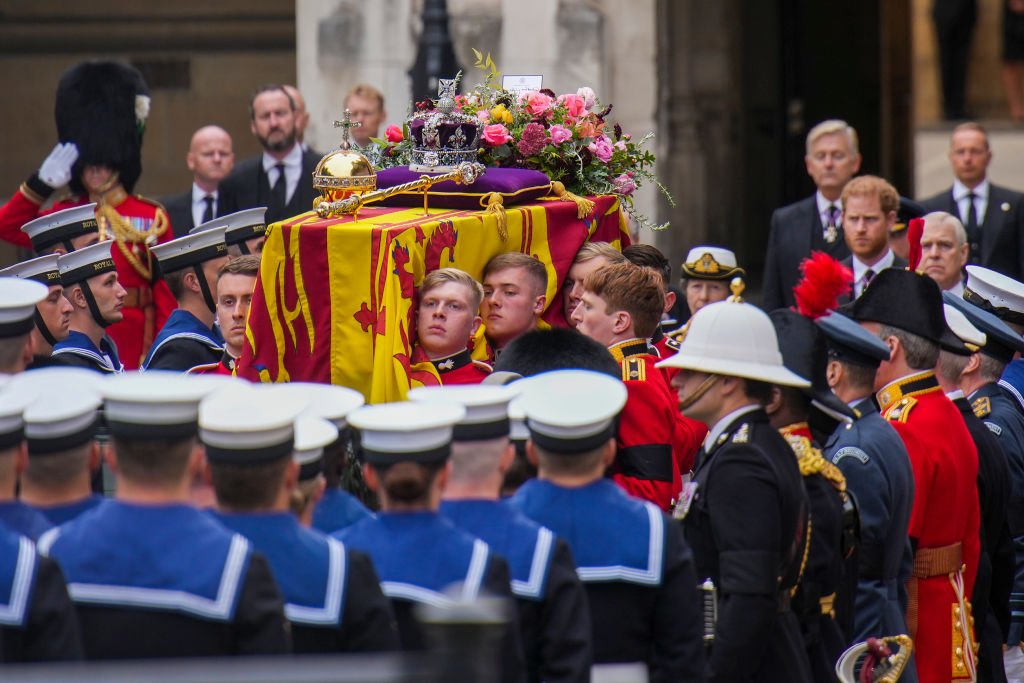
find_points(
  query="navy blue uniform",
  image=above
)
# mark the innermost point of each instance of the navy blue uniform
(874, 461)
(166, 581)
(1012, 383)
(184, 342)
(78, 351)
(24, 520)
(1001, 416)
(59, 514)
(553, 614)
(990, 601)
(338, 509)
(418, 555)
(37, 618)
(747, 525)
(332, 595)
(637, 571)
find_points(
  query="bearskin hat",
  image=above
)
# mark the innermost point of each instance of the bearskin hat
(102, 106)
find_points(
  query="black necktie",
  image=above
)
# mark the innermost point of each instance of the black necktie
(278, 192)
(973, 231)
(869, 275)
(208, 211)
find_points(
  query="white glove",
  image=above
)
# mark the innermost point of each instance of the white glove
(56, 170)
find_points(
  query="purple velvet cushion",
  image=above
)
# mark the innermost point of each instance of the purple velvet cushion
(515, 185)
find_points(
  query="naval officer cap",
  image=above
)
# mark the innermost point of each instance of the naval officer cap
(486, 408)
(60, 227)
(152, 406)
(18, 299)
(239, 226)
(736, 340)
(329, 401)
(312, 436)
(572, 411)
(996, 293)
(711, 263)
(190, 250)
(238, 425)
(1001, 341)
(971, 338)
(849, 342)
(43, 270)
(80, 265)
(418, 432)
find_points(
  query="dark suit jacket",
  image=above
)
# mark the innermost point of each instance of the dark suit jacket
(248, 187)
(796, 230)
(179, 210)
(897, 262)
(1002, 230)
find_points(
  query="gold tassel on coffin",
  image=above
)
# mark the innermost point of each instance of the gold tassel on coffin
(496, 208)
(584, 206)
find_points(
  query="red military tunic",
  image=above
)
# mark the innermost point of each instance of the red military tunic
(944, 521)
(460, 368)
(121, 216)
(655, 443)
(666, 346)
(225, 366)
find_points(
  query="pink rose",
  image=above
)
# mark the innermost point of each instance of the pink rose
(621, 145)
(559, 134)
(575, 106)
(393, 134)
(624, 184)
(483, 115)
(589, 97)
(537, 103)
(601, 148)
(495, 134)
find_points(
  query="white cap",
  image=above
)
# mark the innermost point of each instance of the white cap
(12, 423)
(53, 381)
(328, 401)
(239, 226)
(59, 420)
(244, 425)
(396, 432)
(82, 264)
(61, 226)
(18, 299)
(486, 408)
(42, 269)
(998, 293)
(710, 263)
(737, 340)
(312, 435)
(963, 329)
(518, 431)
(154, 405)
(190, 250)
(570, 411)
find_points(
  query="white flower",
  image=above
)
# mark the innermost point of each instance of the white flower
(589, 96)
(141, 108)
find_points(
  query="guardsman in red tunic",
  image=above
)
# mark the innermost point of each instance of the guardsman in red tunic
(905, 310)
(446, 320)
(101, 110)
(620, 306)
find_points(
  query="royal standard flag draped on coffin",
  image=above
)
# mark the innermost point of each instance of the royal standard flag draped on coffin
(336, 298)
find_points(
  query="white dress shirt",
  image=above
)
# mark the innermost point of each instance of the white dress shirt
(960, 193)
(292, 170)
(859, 268)
(823, 205)
(199, 204)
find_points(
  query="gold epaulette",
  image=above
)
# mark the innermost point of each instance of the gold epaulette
(679, 335)
(672, 343)
(812, 462)
(981, 406)
(900, 411)
(634, 368)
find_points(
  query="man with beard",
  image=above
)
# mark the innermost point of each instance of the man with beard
(279, 178)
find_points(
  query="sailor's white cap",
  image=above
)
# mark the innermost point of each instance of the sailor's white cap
(243, 425)
(190, 250)
(18, 299)
(61, 226)
(12, 422)
(312, 435)
(239, 226)
(82, 264)
(42, 269)
(571, 411)
(970, 335)
(486, 408)
(407, 431)
(58, 420)
(329, 401)
(154, 405)
(997, 293)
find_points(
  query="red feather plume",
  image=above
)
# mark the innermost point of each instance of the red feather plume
(825, 280)
(915, 229)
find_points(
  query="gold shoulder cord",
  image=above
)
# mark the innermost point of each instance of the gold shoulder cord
(113, 225)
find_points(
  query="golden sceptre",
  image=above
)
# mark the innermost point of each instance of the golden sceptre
(465, 173)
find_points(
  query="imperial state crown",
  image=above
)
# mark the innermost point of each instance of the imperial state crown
(442, 137)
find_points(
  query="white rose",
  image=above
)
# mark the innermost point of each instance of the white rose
(141, 108)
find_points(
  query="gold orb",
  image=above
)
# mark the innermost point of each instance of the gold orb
(342, 173)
